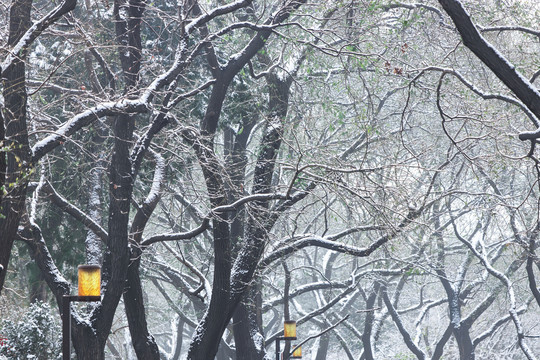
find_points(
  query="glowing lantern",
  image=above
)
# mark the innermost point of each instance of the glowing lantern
(89, 280)
(289, 330)
(297, 353)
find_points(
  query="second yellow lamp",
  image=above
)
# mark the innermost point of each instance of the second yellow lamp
(297, 353)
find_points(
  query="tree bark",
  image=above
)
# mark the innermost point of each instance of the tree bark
(143, 342)
(16, 162)
(229, 288)
(248, 337)
(368, 322)
(500, 66)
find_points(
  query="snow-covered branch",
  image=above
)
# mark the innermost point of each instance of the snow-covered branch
(221, 10)
(415, 6)
(399, 324)
(316, 312)
(34, 31)
(143, 102)
(75, 212)
(330, 243)
(217, 211)
(31, 234)
(480, 92)
(510, 288)
(523, 29)
(498, 64)
(495, 325)
(83, 119)
(321, 333)
(190, 266)
(147, 208)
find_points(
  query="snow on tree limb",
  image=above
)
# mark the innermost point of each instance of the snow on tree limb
(79, 121)
(35, 30)
(143, 102)
(399, 324)
(217, 211)
(480, 254)
(75, 212)
(484, 95)
(331, 244)
(491, 57)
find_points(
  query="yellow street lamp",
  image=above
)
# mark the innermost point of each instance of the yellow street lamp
(289, 333)
(89, 290)
(89, 280)
(297, 353)
(289, 330)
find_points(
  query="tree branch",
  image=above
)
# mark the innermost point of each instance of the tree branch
(498, 64)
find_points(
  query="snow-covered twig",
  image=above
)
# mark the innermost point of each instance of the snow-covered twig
(510, 288)
(217, 211)
(75, 212)
(399, 324)
(34, 31)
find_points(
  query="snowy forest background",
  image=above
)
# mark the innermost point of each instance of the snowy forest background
(366, 168)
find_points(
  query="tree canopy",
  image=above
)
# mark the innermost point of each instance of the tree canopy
(366, 168)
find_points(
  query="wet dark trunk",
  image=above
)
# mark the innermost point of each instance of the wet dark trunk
(464, 342)
(439, 348)
(16, 164)
(179, 341)
(247, 328)
(88, 345)
(368, 323)
(322, 349)
(209, 331)
(144, 344)
(229, 290)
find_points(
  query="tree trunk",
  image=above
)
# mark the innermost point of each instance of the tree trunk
(463, 339)
(179, 339)
(322, 349)
(88, 345)
(248, 336)
(208, 333)
(144, 344)
(368, 323)
(16, 165)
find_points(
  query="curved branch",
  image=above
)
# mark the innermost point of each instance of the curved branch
(211, 214)
(510, 28)
(313, 240)
(530, 273)
(510, 288)
(75, 212)
(491, 57)
(399, 324)
(479, 92)
(35, 30)
(143, 214)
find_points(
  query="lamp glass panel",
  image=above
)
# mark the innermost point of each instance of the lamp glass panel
(297, 353)
(89, 280)
(289, 329)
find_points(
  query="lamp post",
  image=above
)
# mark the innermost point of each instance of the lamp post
(289, 333)
(89, 290)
